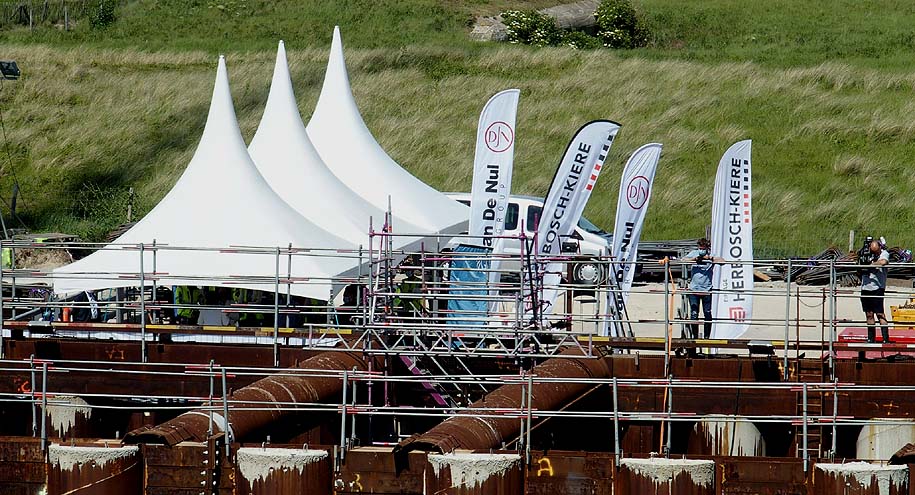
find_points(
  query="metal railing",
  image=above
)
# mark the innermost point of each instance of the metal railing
(368, 309)
(352, 405)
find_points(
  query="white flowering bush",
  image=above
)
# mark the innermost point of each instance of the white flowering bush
(531, 28)
(618, 25)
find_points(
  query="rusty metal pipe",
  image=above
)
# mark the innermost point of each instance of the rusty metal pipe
(490, 431)
(257, 405)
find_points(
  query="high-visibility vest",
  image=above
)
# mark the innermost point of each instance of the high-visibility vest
(186, 296)
(409, 286)
(244, 296)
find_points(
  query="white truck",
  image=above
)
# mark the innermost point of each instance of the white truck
(587, 241)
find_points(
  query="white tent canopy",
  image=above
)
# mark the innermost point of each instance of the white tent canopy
(351, 152)
(289, 162)
(220, 200)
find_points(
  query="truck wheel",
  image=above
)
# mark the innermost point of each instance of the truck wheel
(587, 273)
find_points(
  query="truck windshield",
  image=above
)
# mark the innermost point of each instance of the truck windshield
(587, 226)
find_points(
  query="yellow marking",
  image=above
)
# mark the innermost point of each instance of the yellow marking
(652, 340)
(355, 485)
(115, 354)
(711, 341)
(279, 330)
(548, 468)
(339, 331)
(218, 328)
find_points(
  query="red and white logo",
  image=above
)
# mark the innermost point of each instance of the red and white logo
(737, 313)
(499, 137)
(637, 192)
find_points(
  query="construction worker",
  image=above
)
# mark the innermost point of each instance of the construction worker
(700, 286)
(186, 296)
(86, 308)
(873, 286)
(245, 297)
(212, 313)
(411, 305)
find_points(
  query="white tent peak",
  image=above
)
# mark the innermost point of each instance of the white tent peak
(220, 200)
(351, 152)
(289, 162)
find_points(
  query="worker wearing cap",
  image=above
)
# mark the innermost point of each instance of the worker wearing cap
(700, 286)
(873, 286)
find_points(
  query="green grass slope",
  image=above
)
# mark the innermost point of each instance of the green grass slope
(824, 90)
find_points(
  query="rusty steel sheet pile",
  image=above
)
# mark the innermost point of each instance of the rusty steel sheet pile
(94, 469)
(278, 471)
(738, 434)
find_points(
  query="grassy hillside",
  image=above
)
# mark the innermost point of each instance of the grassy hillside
(827, 102)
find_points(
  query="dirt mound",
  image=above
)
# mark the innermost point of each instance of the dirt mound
(42, 259)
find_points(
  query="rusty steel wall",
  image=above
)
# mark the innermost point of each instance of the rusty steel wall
(569, 473)
(761, 476)
(187, 468)
(282, 471)
(486, 432)
(191, 468)
(22, 466)
(859, 478)
(671, 476)
(374, 470)
(474, 474)
(94, 470)
(257, 405)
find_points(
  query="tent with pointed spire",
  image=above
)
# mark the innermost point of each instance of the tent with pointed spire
(351, 152)
(220, 201)
(289, 162)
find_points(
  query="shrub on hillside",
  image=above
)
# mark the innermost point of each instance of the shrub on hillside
(619, 26)
(103, 15)
(531, 28)
(580, 40)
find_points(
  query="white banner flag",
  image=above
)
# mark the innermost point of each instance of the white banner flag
(732, 240)
(631, 206)
(569, 193)
(492, 167)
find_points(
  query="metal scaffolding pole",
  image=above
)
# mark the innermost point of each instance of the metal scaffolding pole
(142, 306)
(787, 317)
(276, 312)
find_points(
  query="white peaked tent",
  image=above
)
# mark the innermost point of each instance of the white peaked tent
(349, 150)
(220, 200)
(289, 162)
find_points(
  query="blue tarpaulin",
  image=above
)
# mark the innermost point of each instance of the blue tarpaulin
(468, 276)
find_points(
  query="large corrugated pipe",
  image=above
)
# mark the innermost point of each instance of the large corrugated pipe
(257, 405)
(489, 430)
